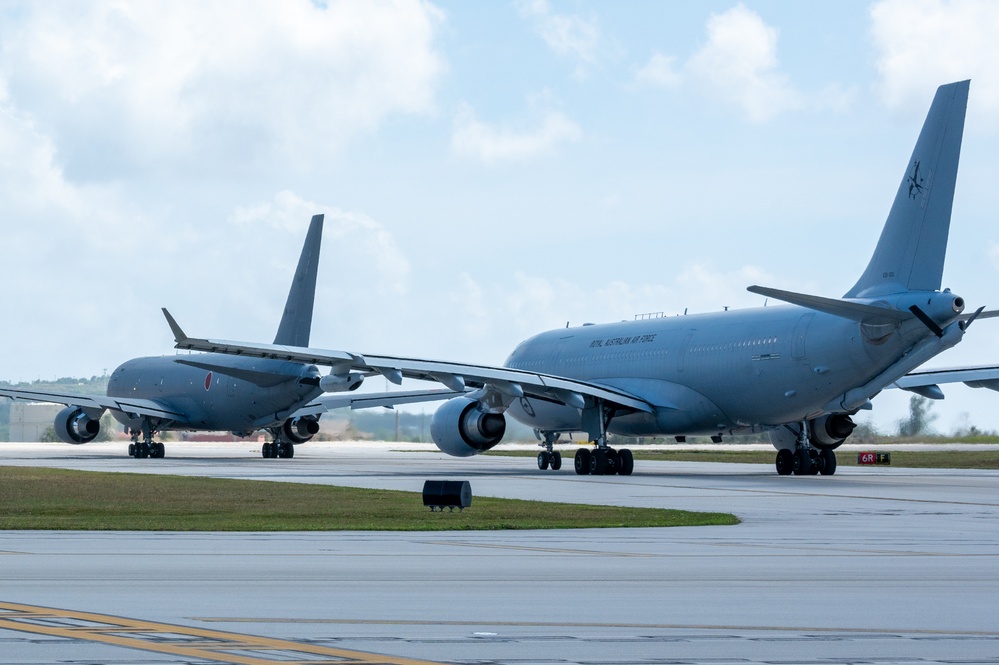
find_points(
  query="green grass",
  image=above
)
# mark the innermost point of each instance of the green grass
(958, 459)
(39, 498)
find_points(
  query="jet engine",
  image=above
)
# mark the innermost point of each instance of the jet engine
(829, 431)
(73, 425)
(461, 429)
(340, 383)
(300, 430)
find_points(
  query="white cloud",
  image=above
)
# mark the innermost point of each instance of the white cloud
(491, 143)
(660, 71)
(126, 86)
(568, 35)
(924, 43)
(360, 246)
(502, 313)
(739, 64)
(993, 253)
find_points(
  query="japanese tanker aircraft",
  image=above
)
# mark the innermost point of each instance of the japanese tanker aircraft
(798, 371)
(218, 392)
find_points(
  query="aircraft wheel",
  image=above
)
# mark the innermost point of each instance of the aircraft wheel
(626, 462)
(131, 450)
(613, 462)
(582, 462)
(556, 460)
(802, 463)
(543, 460)
(828, 462)
(598, 462)
(785, 462)
(267, 450)
(291, 451)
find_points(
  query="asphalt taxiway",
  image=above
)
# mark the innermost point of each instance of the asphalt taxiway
(871, 565)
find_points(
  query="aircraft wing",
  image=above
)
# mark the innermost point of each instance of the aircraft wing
(456, 376)
(131, 407)
(325, 403)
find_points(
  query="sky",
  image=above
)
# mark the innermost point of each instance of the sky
(487, 170)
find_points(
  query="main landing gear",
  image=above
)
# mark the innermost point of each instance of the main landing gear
(142, 450)
(278, 449)
(805, 459)
(604, 461)
(147, 447)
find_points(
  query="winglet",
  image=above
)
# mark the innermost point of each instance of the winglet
(178, 335)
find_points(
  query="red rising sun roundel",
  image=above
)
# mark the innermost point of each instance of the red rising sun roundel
(208, 381)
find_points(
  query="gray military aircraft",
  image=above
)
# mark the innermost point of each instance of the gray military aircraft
(224, 393)
(797, 371)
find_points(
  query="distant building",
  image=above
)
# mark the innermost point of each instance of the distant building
(29, 420)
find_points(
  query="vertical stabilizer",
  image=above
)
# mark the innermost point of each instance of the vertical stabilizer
(910, 253)
(296, 323)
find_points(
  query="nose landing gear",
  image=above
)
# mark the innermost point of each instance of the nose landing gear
(549, 458)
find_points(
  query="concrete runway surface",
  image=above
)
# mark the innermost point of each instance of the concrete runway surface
(872, 565)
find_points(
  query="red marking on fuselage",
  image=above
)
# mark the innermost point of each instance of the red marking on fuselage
(208, 381)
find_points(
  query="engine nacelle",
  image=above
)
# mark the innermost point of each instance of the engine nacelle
(73, 425)
(300, 430)
(829, 431)
(339, 383)
(461, 429)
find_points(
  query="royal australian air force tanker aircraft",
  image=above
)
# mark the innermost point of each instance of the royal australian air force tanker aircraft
(799, 371)
(224, 393)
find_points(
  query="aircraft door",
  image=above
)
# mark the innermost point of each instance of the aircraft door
(683, 352)
(798, 349)
(555, 358)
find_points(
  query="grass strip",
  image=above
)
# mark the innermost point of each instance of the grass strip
(40, 498)
(932, 459)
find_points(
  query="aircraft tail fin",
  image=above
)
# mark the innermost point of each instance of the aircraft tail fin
(910, 253)
(296, 322)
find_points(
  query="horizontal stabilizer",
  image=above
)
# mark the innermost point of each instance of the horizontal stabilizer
(980, 376)
(842, 308)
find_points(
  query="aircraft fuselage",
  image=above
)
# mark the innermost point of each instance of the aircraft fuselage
(720, 372)
(211, 399)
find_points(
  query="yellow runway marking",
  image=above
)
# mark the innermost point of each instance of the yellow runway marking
(608, 624)
(213, 645)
